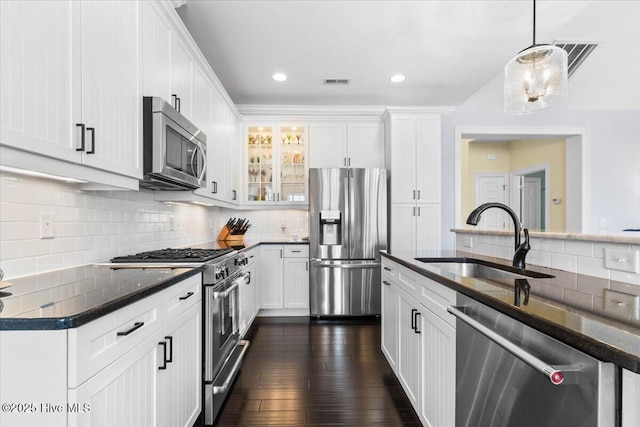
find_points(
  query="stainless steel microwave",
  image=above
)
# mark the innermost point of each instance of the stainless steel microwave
(174, 149)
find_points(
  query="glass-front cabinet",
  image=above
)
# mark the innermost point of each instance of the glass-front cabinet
(276, 164)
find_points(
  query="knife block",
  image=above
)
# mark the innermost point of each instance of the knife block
(226, 235)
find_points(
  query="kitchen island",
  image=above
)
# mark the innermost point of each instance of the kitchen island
(429, 293)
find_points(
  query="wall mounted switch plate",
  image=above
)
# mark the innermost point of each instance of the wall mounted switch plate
(622, 260)
(467, 242)
(622, 304)
(47, 225)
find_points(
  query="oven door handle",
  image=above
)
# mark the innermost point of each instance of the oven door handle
(219, 295)
(557, 375)
(236, 367)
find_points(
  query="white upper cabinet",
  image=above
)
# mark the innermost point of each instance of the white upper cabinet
(181, 78)
(414, 157)
(365, 144)
(356, 144)
(111, 107)
(156, 52)
(36, 78)
(328, 145)
(69, 91)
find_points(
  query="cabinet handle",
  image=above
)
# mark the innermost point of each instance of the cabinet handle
(386, 283)
(414, 211)
(348, 161)
(179, 104)
(164, 355)
(248, 277)
(134, 328)
(278, 196)
(296, 251)
(235, 194)
(175, 101)
(306, 266)
(418, 194)
(413, 318)
(93, 140)
(387, 268)
(170, 359)
(416, 322)
(187, 296)
(418, 210)
(280, 253)
(344, 161)
(414, 195)
(81, 137)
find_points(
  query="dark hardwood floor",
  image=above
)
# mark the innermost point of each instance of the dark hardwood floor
(316, 372)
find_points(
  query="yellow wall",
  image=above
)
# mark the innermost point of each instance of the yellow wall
(511, 156)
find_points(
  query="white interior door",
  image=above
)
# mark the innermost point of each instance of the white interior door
(492, 188)
(531, 215)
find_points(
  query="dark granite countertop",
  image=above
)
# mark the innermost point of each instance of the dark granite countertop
(591, 331)
(71, 297)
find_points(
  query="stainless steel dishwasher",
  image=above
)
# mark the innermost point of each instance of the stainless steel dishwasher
(508, 374)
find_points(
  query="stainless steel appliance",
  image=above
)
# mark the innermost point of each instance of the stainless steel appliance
(347, 230)
(174, 149)
(223, 350)
(508, 374)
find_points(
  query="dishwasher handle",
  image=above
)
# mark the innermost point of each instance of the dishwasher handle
(566, 374)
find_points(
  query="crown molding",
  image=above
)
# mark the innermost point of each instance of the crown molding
(298, 111)
(177, 3)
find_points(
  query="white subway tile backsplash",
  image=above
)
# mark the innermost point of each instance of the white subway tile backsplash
(550, 245)
(564, 262)
(577, 247)
(573, 256)
(592, 267)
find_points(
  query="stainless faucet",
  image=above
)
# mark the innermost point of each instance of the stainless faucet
(521, 249)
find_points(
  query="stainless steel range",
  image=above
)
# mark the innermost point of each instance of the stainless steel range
(222, 348)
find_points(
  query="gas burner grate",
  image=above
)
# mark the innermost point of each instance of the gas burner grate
(175, 255)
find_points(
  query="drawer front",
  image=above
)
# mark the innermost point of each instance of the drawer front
(94, 346)
(437, 298)
(252, 256)
(390, 269)
(179, 297)
(296, 251)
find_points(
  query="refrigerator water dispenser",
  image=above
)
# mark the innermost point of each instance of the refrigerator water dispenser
(330, 227)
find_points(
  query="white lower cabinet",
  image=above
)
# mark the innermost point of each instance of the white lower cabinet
(409, 368)
(296, 283)
(389, 322)
(249, 293)
(138, 366)
(179, 385)
(271, 276)
(122, 394)
(284, 278)
(418, 339)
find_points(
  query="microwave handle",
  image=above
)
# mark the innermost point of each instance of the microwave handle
(204, 167)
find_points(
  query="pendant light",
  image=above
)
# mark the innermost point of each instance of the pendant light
(536, 78)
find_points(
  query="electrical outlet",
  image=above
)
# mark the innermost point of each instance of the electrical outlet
(47, 225)
(622, 304)
(467, 242)
(622, 260)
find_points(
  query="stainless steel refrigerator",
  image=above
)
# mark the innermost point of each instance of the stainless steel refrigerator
(347, 230)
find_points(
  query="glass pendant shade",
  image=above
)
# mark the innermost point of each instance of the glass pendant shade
(536, 79)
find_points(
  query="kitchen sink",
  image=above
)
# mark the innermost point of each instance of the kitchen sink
(480, 269)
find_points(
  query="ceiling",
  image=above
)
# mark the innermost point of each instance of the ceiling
(447, 50)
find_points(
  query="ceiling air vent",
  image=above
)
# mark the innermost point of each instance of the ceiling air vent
(578, 52)
(336, 81)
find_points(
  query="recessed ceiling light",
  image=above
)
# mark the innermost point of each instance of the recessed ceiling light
(279, 77)
(397, 78)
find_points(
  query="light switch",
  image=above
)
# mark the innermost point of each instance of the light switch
(622, 304)
(622, 260)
